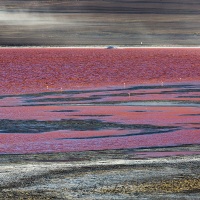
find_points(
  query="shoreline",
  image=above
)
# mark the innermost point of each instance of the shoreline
(104, 47)
(99, 175)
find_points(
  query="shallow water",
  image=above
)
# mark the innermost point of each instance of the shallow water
(138, 116)
(61, 100)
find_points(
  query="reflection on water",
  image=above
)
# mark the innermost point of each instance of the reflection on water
(145, 116)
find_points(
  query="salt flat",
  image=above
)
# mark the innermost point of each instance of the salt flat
(104, 174)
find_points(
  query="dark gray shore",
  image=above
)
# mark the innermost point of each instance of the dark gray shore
(99, 22)
(114, 174)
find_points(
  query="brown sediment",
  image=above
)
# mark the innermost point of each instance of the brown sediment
(186, 185)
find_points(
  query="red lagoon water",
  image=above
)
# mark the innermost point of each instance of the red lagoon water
(43, 69)
(60, 100)
(71, 121)
(53, 142)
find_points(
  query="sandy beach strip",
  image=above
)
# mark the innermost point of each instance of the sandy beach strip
(114, 174)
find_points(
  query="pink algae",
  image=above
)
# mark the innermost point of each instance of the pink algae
(54, 142)
(118, 114)
(35, 70)
(42, 69)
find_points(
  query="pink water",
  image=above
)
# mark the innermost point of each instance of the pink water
(135, 98)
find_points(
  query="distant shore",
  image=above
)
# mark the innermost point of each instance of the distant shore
(106, 47)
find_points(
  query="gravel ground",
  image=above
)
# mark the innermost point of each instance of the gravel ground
(115, 174)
